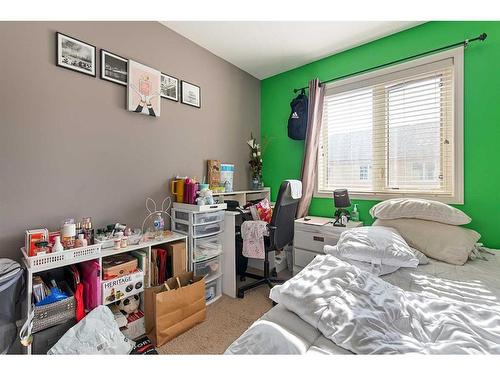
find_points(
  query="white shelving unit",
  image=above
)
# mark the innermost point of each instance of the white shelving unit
(204, 226)
(244, 196)
(49, 262)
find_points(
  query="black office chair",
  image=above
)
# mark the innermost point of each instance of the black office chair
(280, 235)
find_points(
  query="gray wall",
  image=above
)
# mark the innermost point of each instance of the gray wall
(68, 146)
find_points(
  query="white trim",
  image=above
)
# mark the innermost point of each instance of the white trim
(415, 66)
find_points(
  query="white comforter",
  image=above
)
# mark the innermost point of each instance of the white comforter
(366, 315)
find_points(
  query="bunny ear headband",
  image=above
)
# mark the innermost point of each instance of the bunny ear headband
(152, 209)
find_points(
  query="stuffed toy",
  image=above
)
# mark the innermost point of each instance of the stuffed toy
(129, 305)
(205, 197)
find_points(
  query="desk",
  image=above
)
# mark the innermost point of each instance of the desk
(231, 220)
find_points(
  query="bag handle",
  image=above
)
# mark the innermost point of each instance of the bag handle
(178, 283)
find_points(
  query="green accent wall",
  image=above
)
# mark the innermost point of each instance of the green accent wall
(283, 156)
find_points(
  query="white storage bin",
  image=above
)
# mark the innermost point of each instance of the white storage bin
(207, 229)
(208, 268)
(181, 227)
(181, 215)
(211, 291)
(207, 247)
(208, 217)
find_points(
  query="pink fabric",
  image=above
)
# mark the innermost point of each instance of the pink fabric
(314, 116)
(252, 233)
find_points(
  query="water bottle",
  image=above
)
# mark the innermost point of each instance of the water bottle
(159, 223)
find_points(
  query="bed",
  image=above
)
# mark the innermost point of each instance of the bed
(281, 331)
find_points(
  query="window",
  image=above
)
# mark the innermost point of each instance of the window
(395, 132)
(363, 172)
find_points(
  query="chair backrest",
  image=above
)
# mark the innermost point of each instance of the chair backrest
(282, 221)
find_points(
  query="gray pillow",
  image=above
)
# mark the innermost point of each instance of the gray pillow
(448, 243)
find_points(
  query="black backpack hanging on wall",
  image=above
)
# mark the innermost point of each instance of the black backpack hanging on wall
(297, 122)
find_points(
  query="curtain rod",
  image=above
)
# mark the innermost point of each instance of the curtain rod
(464, 43)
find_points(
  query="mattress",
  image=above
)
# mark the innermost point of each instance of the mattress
(280, 331)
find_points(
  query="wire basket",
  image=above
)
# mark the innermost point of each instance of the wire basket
(55, 313)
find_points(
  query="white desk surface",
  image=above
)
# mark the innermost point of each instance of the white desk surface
(265, 190)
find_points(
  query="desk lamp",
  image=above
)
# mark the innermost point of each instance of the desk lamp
(341, 201)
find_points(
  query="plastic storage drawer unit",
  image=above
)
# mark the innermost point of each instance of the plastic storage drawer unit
(211, 290)
(207, 229)
(208, 217)
(207, 247)
(181, 227)
(207, 268)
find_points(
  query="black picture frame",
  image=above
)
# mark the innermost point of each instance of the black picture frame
(177, 87)
(105, 53)
(60, 58)
(183, 99)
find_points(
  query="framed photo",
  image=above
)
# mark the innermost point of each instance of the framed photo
(75, 55)
(113, 68)
(143, 93)
(190, 94)
(169, 87)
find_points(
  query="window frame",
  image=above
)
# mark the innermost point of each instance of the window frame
(406, 69)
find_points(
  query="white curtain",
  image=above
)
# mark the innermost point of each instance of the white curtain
(309, 164)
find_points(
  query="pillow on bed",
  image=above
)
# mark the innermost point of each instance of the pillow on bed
(376, 269)
(376, 245)
(422, 258)
(414, 208)
(448, 243)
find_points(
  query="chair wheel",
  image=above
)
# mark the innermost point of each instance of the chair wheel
(243, 278)
(240, 294)
(274, 273)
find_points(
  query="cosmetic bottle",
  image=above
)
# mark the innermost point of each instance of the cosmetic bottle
(88, 232)
(355, 213)
(80, 241)
(57, 245)
(79, 228)
(68, 232)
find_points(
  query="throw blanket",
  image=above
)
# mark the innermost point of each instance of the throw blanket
(366, 315)
(252, 233)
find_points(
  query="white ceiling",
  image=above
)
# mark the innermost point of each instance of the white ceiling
(264, 48)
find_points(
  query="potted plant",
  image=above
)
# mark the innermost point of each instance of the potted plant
(255, 163)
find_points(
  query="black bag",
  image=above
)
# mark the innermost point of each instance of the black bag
(297, 122)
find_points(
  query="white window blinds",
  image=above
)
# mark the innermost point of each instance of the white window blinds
(391, 133)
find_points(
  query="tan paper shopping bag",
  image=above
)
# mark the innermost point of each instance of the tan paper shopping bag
(174, 307)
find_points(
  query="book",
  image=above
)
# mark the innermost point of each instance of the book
(142, 260)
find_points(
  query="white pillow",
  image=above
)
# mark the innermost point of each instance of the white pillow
(376, 245)
(448, 243)
(422, 258)
(376, 269)
(414, 208)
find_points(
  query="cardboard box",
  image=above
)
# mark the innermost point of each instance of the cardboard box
(33, 236)
(177, 252)
(121, 287)
(213, 168)
(118, 265)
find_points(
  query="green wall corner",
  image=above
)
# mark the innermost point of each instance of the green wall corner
(283, 156)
